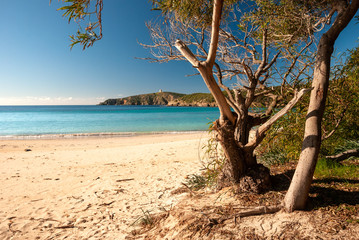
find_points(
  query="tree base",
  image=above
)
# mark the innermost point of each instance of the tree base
(255, 180)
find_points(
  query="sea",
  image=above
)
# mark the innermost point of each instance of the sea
(80, 121)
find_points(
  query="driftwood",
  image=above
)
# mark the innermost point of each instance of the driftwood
(344, 155)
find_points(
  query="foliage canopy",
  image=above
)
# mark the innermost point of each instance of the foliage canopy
(80, 11)
(340, 123)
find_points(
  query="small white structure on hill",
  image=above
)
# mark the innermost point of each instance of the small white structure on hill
(160, 91)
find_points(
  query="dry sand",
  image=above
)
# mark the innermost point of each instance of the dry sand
(96, 188)
(90, 188)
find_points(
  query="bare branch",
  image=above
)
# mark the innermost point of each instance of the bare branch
(263, 92)
(230, 98)
(326, 136)
(275, 99)
(187, 53)
(295, 59)
(191, 75)
(238, 97)
(260, 210)
(216, 20)
(260, 133)
(344, 155)
(264, 55)
(274, 59)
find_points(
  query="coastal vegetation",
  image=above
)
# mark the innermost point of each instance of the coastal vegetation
(196, 99)
(242, 49)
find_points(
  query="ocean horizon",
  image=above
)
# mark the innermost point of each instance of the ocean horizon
(93, 120)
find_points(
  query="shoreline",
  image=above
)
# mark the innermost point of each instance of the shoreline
(94, 135)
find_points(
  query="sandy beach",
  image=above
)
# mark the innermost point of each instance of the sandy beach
(90, 188)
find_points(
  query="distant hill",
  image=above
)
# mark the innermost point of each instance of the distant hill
(176, 99)
(165, 98)
(195, 99)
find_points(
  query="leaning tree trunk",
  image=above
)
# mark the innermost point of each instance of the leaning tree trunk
(240, 168)
(234, 166)
(298, 191)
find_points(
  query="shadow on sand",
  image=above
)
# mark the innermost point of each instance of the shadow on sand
(324, 192)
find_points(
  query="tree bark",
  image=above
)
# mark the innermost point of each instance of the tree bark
(240, 167)
(298, 191)
(234, 167)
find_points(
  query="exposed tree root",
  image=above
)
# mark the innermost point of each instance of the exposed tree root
(256, 180)
(260, 210)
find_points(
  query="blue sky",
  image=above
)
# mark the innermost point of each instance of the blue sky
(37, 66)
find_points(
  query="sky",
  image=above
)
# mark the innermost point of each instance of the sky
(37, 66)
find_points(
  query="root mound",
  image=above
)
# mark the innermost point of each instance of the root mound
(257, 180)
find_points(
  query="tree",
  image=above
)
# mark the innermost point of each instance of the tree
(248, 47)
(298, 191)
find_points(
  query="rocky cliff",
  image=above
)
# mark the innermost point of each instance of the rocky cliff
(160, 98)
(178, 99)
(165, 98)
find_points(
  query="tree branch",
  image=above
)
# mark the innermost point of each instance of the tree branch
(274, 59)
(326, 136)
(239, 99)
(264, 55)
(207, 75)
(216, 20)
(230, 98)
(344, 155)
(187, 53)
(260, 133)
(273, 104)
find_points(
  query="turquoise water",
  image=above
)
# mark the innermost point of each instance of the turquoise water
(47, 120)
